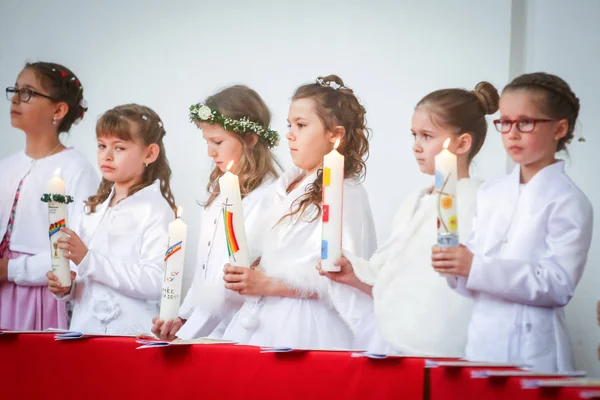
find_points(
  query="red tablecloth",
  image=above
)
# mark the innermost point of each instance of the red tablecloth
(36, 366)
(448, 383)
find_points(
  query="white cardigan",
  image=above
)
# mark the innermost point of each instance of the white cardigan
(30, 230)
(119, 282)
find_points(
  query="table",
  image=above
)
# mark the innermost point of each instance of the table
(37, 366)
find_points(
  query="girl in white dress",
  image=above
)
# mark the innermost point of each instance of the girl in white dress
(118, 248)
(208, 304)
(531, 235)
(46, 100)
(298, 306)
(414, 310)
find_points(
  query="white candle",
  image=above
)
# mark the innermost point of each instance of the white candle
(445, 186)
(333, 193)
(233, 215)
(57, 218)
(174, 262)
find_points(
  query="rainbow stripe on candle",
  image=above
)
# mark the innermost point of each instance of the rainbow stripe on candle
(55, 227)
(173, 249)
(232, 244)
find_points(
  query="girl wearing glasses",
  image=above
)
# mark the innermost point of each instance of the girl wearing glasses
(532, 233)
(47, 100)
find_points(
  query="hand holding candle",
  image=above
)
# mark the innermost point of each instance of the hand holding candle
(445, 188)
(333, 194)
(174, 263)
(57, 219)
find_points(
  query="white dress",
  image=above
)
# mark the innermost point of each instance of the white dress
(119, 282)
(530, 247)
(30, 229)
(290, 255)
(414, 310)
(209, 307)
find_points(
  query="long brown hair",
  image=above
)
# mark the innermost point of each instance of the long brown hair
(559, 101)
(335, 107)
(257, 161)
(130, 122)
(464, 111)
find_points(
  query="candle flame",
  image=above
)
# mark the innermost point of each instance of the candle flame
(229, 165)
(337, 143)
(57, 172)
(179, 211)
(447, 143)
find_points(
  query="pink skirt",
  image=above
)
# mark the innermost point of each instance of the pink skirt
(30, 307)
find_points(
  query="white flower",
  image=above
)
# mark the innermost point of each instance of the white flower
(105, 308)
(205, 113)
(83, 103)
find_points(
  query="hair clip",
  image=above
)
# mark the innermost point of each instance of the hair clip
(72, 78)
(53, 69)
(160, 124)
(63, 74)
(83, 104)
(144, 118)
(331, 84)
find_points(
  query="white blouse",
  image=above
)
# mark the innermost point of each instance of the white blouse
(119, 282)
(30, 230)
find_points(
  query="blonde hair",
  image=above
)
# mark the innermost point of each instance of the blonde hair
(128, 122)
(257, 161)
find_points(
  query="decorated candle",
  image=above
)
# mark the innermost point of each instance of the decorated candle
(57, 218)
(174, 262)
(333, 192)
(445, 188)
(233, 216)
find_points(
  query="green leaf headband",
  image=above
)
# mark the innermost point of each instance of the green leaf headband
(203, 113)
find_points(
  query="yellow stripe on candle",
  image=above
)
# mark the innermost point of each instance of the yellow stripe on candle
(326, 176)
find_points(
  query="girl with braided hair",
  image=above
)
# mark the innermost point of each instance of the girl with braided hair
(531, 235)
(45, 101)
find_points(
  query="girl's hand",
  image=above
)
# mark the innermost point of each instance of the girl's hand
(247, 281)
(346, 275)
(166, 330)
(73, 247)
(54, 285)
(452, 260)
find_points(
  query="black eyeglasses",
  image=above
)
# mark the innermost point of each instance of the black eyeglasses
(523, 125)
(24, 94)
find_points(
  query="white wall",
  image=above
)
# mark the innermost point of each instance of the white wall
(564, 38)
(168, 56)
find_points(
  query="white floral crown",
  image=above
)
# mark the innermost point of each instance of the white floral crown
(203, 113)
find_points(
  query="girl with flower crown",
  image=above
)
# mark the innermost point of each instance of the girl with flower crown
(46, 100)
(119, 245)
(235, 124)
(298, 307)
